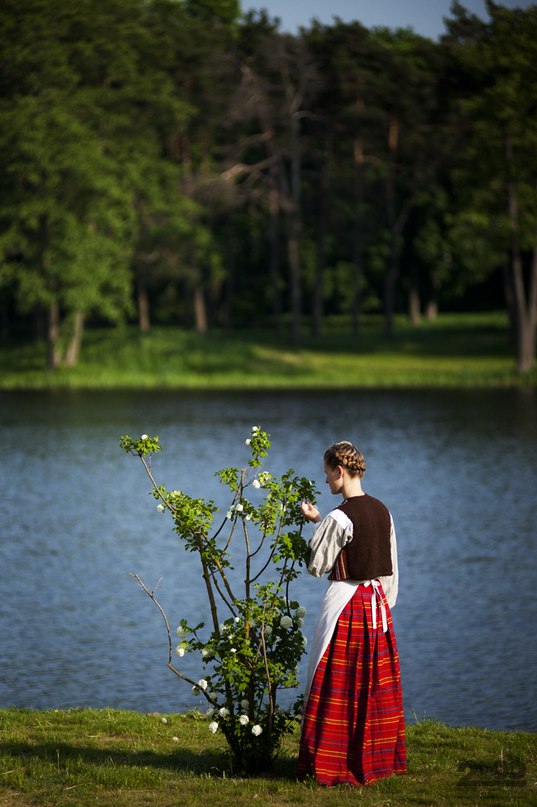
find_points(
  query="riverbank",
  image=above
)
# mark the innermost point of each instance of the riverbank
(456, 350)
(103, 757)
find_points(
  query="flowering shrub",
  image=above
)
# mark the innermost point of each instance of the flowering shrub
(252, 647)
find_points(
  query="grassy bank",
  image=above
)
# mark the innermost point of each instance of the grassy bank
(456, 350)
(126, 759)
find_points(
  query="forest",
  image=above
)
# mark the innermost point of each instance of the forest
(187, 163)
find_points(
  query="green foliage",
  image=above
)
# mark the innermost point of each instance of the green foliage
(253, 652)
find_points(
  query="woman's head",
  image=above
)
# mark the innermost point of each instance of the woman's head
(347, 455)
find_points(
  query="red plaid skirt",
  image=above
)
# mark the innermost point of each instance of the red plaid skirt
(353, 727)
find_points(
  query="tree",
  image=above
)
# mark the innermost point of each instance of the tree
(497, 175)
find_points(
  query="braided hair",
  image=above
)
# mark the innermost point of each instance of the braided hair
(346, 454)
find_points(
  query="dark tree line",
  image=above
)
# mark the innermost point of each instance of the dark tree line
(181, 162)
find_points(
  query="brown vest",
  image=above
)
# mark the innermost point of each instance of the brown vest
(368, 554)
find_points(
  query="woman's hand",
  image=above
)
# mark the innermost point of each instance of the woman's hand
(309, 511)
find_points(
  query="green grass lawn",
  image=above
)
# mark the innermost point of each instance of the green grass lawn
(125, 759)
(456, 350)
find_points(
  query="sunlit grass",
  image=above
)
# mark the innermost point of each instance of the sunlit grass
(457, 350)
(108, 757)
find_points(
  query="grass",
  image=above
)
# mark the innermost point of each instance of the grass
(106, 757)
(456, 350)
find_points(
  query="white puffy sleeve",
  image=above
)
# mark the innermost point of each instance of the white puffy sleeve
(334, 531)
(390, 583)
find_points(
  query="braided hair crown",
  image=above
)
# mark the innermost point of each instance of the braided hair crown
(345, 453)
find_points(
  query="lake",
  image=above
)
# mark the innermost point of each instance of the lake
(457, 469)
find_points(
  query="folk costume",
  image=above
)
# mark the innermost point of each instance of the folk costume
(353, 723)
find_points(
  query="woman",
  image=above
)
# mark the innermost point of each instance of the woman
(353, 724)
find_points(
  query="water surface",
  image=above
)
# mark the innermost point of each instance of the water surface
(457, 469)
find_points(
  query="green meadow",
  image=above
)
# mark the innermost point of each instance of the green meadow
(87, 757)
(456, 350)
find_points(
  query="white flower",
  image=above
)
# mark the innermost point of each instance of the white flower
(213, 727)
(256, 730)
(239, 507)
(268, 630)
(180, 632)
(256, 483)
(300, 622)
(286, 622)
(175, 739)
(237, 619)
(223, 712)
(202, 684)
(248, 517)
(244, 720)
(244, 705)
(255, 428)
(195, 691)
(209, 711)
(160, 508)
(248, 441)
(163, 720)
(180, 650)
(233, 650)
(144, 437)
(205, 653)
(229, 514)
(304, 641)
(301, 612)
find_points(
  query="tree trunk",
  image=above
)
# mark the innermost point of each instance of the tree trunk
(144, 322)
(73, 349)
(200, 310)
(431, 310)
(294, 231)
(358, 246)
(524, 304)
(393, 266)
(414, 303)
(53, 336)
(320, 253)
(274, 248)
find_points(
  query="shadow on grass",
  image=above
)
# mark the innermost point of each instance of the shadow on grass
(205, 763)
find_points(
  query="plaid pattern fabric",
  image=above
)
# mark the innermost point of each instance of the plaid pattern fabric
(353, 725)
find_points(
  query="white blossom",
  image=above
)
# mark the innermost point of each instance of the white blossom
(248, 517)
(256, 730)
(180, 650)
(233, 650)
(244, 705)
(244, 720)
(229, 514)
(180, 632)
(202, 684)
(248, 441)
(175, 739)
(195, 690)
(223, 712)
(304, 641)
(160, 507)
(213, 727)
(300, 622)
(205, 653)
(300, 611)
(239, 507)
(144, 437)
(255, 428)
(268, 630)
(237, 619)
(286, 622)
(163, 720)
(256, 483)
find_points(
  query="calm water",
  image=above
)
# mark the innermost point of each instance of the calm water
(457, 469)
